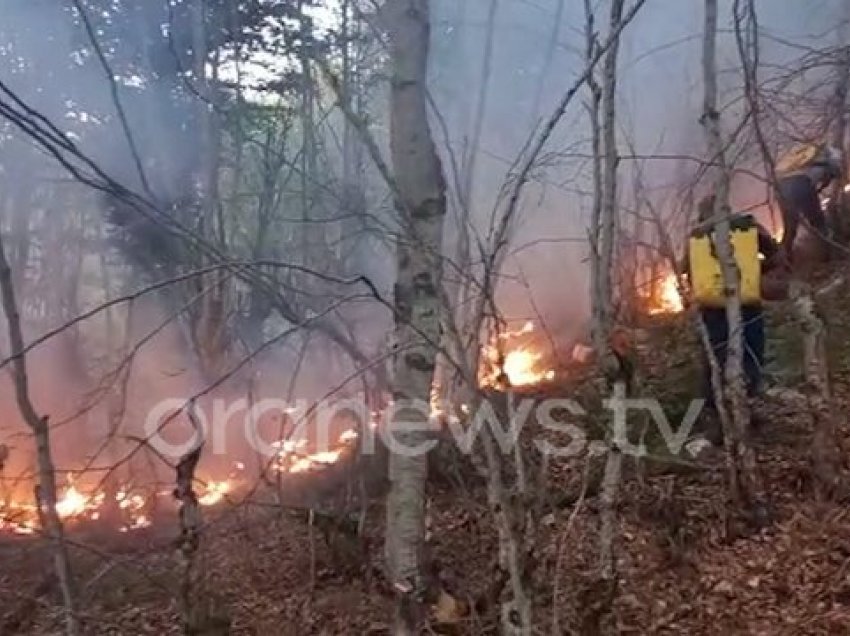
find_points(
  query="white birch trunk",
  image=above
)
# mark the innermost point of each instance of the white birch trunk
(735, 391)
(422, 207)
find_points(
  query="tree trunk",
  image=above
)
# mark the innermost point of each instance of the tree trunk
(735, 393)
(608, 221)
(826, 452)
(354, 202)
(309, 171)
(839, 131)
(597, 301)
(551, 49)
(209, 333)
(467, 195)
(618, 367)
(421, 206)
(609, 495)
(46, 488)
(516, 618)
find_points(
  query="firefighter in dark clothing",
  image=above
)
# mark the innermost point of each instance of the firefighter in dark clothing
(801, 176)
(756, 252)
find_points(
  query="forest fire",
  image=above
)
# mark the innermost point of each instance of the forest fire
(665, 297)
(514, 359)
(293, 460)
(134, 506)
(76, 506)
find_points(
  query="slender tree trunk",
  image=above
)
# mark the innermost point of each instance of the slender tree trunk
(735, 391)
(618, 368)
(467, 196)
(308, 143)
(20, 212)
(551, 49)
(826, 451)
(422, 208)
(208, 330)
(609, 495)
(608, 222)
(597, 301)
(516, 618)
(46, 489)
(353, 179)
(839, 130)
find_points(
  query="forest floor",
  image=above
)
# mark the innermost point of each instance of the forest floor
(684, 567)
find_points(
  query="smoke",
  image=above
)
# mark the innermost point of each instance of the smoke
(57, 238)
(659, 105)
(537, 52)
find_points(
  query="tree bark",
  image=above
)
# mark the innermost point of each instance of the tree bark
(608, 219)
(421, 206)
(618, 369)
(597, 302)
(609, 495)
(46, 488)
(826, 452)
(516, 617)
(735, 392)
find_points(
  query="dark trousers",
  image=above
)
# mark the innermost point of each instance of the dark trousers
(798, 198)
(754, 342)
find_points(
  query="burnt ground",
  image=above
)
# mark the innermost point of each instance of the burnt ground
(686, 566)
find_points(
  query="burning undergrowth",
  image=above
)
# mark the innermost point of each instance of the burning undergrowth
(290, 446)
(517, 358)
(128, 507)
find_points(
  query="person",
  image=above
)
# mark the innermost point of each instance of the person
(801, 176)
(711, 304)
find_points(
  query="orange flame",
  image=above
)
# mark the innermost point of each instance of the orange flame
(666, 298)
(214, 492)
(513, 358)
(75, 505)
(72, 503)
(291, 460)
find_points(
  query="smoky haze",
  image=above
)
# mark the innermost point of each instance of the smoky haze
(659, 102)
(48, 61)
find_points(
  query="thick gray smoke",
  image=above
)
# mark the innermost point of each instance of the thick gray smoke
(659, 101)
